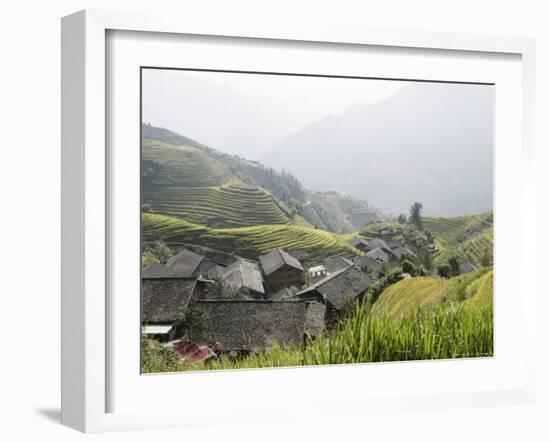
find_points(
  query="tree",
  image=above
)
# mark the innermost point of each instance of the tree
(219, 289)
(444, 270)
(454, 266)
(402, 218)
(486, 260)
(191, 321)
(416, 218)
(162, 251)
(426, 259)
(408, 267)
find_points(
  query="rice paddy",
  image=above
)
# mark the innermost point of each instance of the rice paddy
(249, 242)
(188, 183)
(469, 236)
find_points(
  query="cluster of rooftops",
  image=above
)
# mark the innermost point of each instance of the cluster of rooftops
(270, 301)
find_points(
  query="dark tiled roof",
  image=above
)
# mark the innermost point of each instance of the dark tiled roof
(379, 255)
(356, 241)
(400, 251)
(299, 254)
(338, 287)
(393, 243)
(210, 269)
(244, 274)
(185, 263)
(161, 299)
(367, 263)
(277, 258)
(157, 271)
(257, 325)
(338, 263)
(377, 243)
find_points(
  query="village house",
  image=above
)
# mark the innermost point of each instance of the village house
(245, 275)
(281, 270)
(338, 289)
(300, 254)
(378, 243)
(337, 263)
(402, 251)
(359, 243)
(163, 294)
(188, 264)
(237, 326)
(316, 273)
(379, 255)
(394, 243)
(368, 264)
(368, 245)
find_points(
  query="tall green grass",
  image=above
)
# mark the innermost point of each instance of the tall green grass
(448, 331)
(444, 333)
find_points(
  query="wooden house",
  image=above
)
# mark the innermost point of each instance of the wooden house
(281, 270)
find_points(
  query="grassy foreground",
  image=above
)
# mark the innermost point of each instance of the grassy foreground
(443, 329)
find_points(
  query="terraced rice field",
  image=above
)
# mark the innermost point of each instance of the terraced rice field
(469, 236)
(225, 206)
(473, 291)
(184, 166)
(188, 183)
(250, 242)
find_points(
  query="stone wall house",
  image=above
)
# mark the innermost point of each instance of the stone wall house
(236, 325)
(281, 270)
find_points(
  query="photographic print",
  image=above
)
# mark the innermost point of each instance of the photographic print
(297, 220)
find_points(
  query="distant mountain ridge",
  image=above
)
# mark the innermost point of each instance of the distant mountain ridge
(428, 142)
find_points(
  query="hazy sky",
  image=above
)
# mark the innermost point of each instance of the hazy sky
(248, 114)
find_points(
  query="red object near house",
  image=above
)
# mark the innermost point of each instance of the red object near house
(189, 350)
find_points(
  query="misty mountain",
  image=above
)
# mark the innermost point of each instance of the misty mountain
(429, 142)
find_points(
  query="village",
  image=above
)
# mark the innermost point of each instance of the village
(248, 306)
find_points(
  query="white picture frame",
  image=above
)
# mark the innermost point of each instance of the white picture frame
(86, 216)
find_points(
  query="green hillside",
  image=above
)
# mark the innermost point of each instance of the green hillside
(249, 242)
(172, 163)
(188, 183)
(224, 206)
(337, 213)
(474, 290)
(469, 237)
(165, 164)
